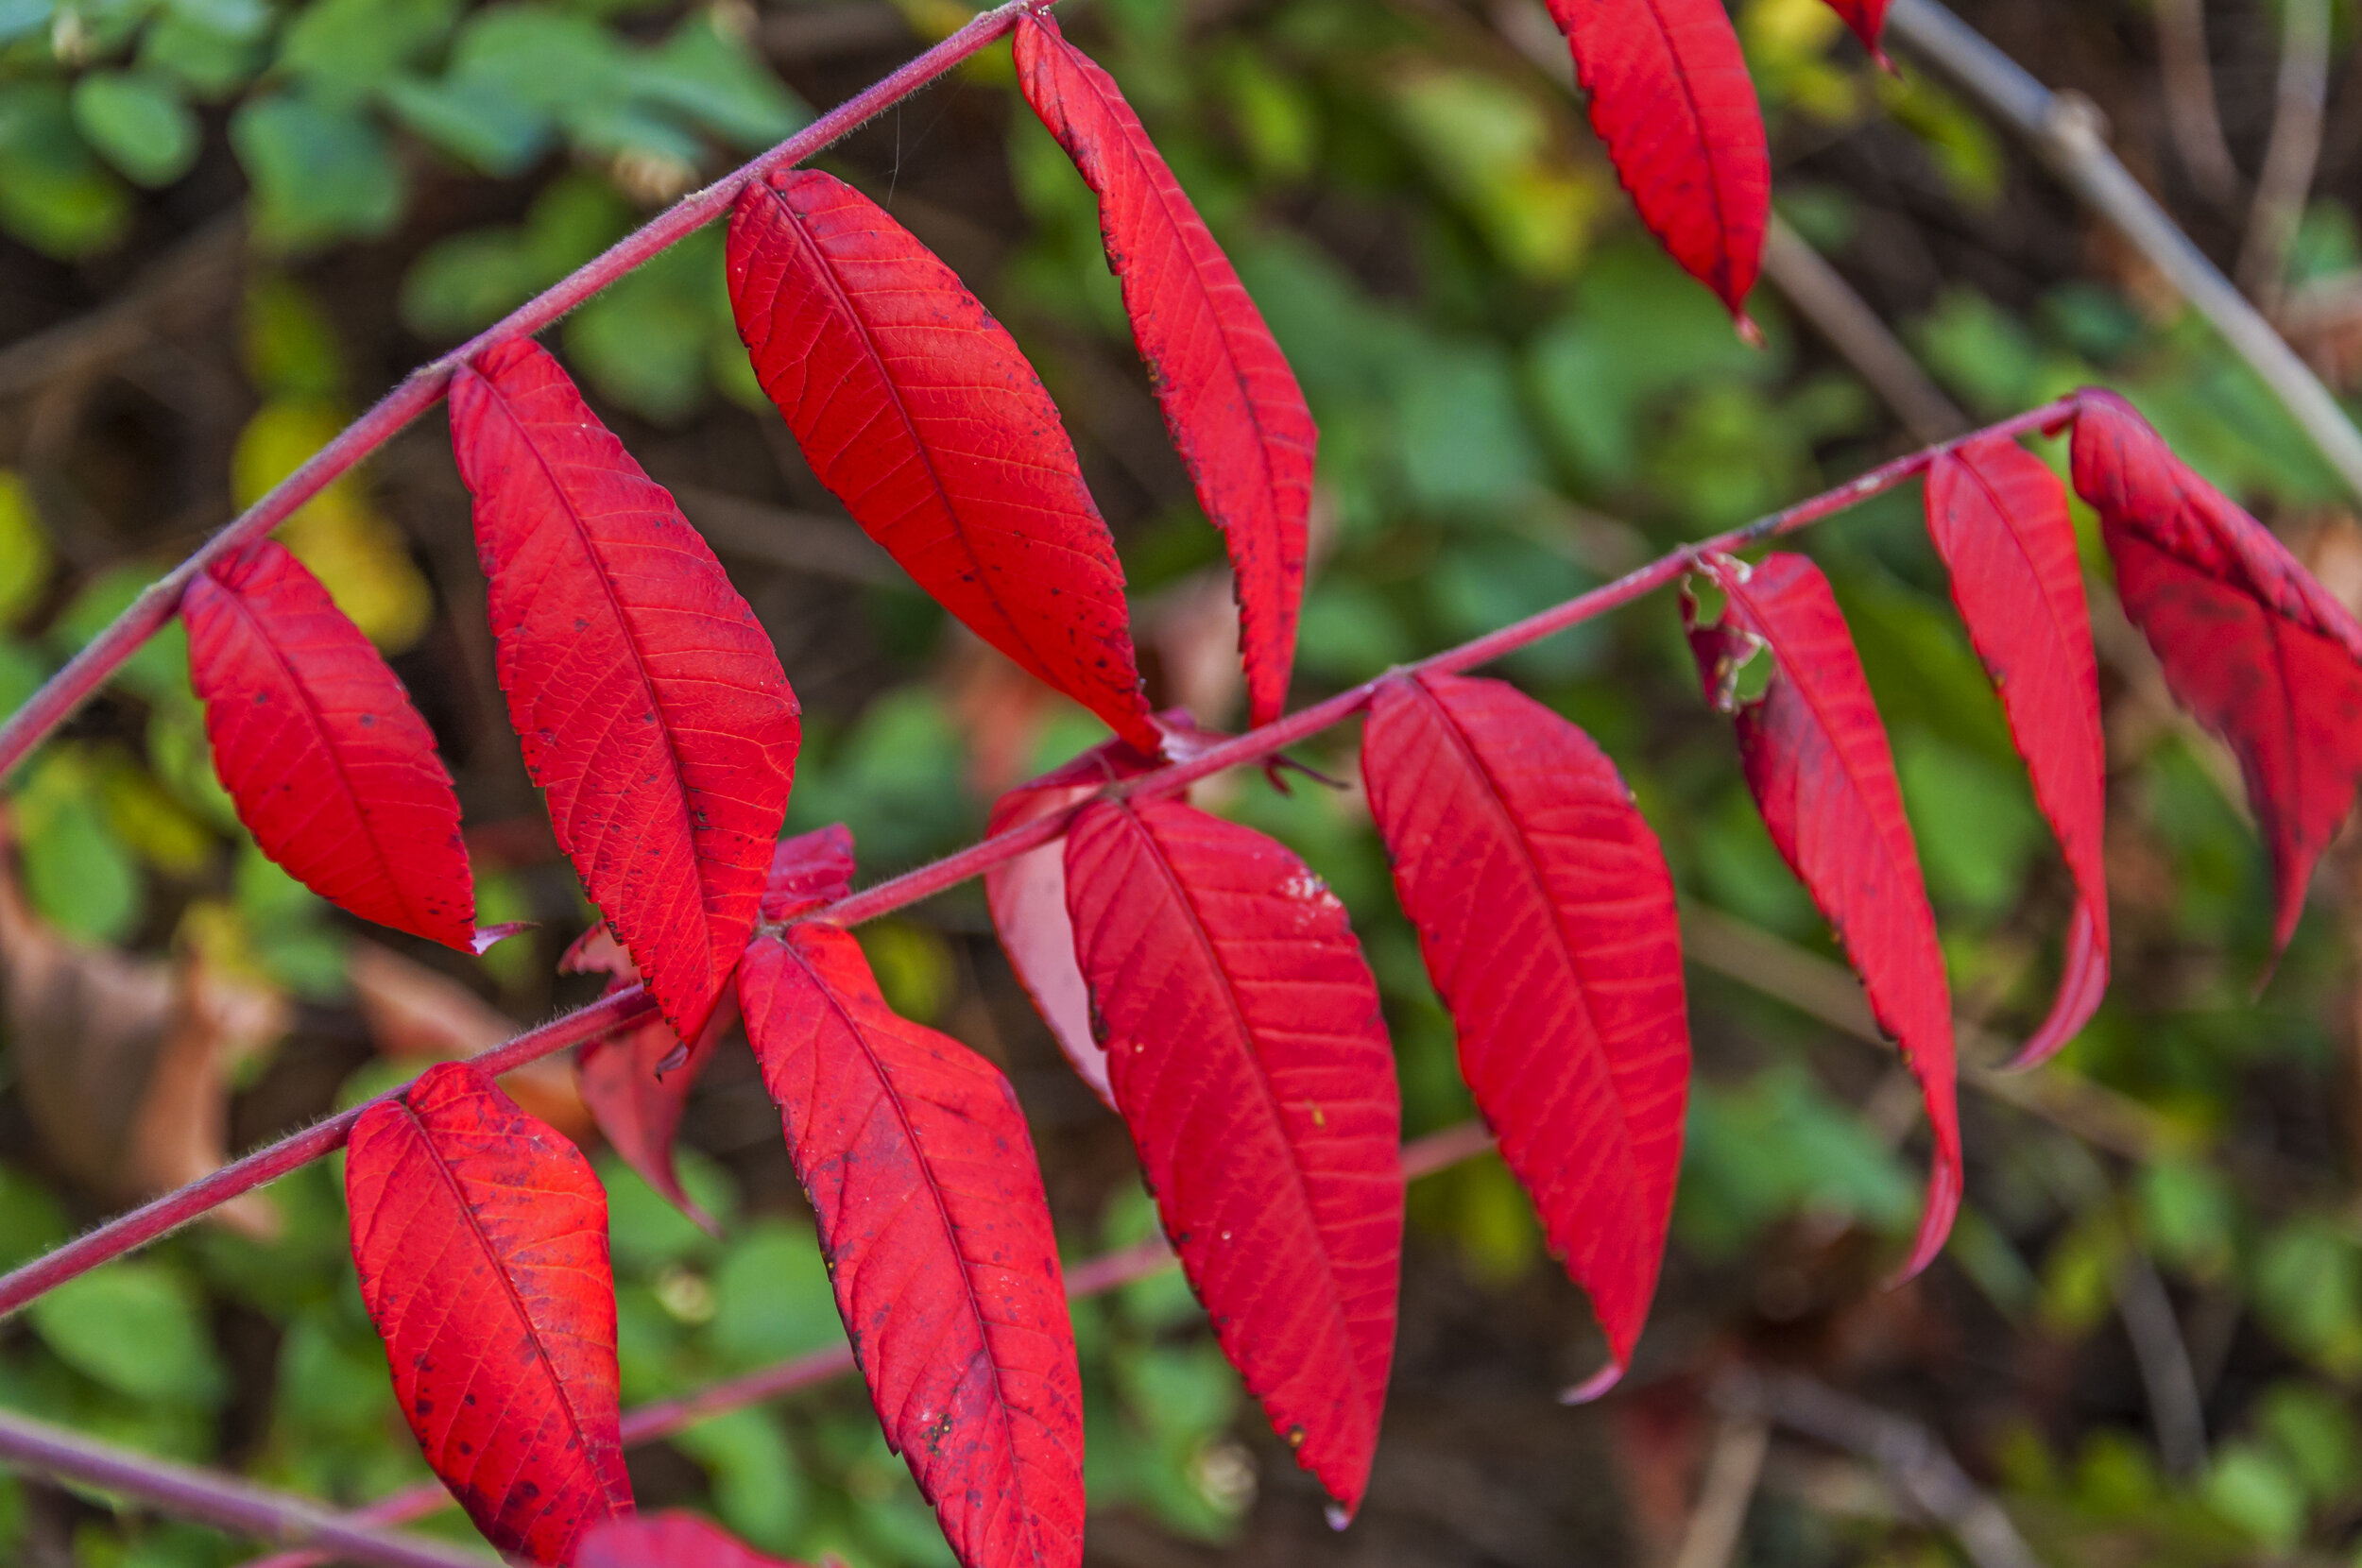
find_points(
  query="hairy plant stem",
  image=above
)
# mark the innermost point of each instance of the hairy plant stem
(424, 387)
(661, 1418)
(177, 1208)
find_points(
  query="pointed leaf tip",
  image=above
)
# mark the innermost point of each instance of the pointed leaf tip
(1546, 919)
(626, 655)
(330, 766)
(1817, 762)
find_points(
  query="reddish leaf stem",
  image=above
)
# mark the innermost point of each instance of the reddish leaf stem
(175, 1209)
(220, 1500)
(424, 387)
(663, 1418)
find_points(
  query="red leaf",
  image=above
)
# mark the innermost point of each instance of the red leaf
(636, 1082)
(1817, 761)
(1868, 18)
(480, 1235)
(1998, 517)
(332, 770)
(1547, 917)
(916, 1157)
(808, 871)
(651, 708)
(1671, 98)
(670, 1539)
(2250, 643)
(1248, 1056)
(1027, 896)
(913, 406)
(1230, 399)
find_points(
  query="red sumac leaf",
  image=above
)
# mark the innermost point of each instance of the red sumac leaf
(1027, 896)
(669, 1540)
(1546, 918)
(636, 1082)
(808, 871)
(2250, 643)
(1998, 517)
(1868, 19)
(1230, 400)
(332, 770)
(650, 706)
(931, 1210)
(1817, 761)
(1249, 1059)
(480, 1235)
(1671, 98)
(913, 406)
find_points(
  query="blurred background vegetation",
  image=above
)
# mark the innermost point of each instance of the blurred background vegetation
(231, 223)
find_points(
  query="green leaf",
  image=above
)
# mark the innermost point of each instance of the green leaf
(24, 549)
(771, 1297)
(712, 77)
(21, 19)
(644, 341)
(77, 874)
(138, 123)
(544, 60)
(137, 1328)
(473, 120)
(343, 50)
(290, 345)
(758, 1487)
(30, 1221)
(319, 173)
(211, 63)
(2249, 1489)
(55, 194)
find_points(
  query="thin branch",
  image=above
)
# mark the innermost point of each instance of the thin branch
(2175, 1412)
(2289, 158)
(1732, 1468)
(175, 1209)
(2067, 129)
(223, 1501)
(2191, 112)
(663, 1418)
(424, 387)
(1826, 299)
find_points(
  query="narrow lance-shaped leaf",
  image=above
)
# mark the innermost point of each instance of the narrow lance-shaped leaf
(916, 1157)
(1546, 918)
(332, 769)
(1868, 19)
(1230, 399)
(480, 1235)
(1818, 764)
(2250, 643)
(913, 406)
(650, 706)
(1998, 517)
(668, 1539)
(1250, 1061)
(1671, 98)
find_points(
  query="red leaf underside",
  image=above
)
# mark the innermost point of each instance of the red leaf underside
(808, 871)
(1546, 918)
(1027, 896)
(1249, 1059)
(332, 769)
(1817, 762)
(920, 1171)
(480, 1235)
(636, 1083)
(1998, 517)
(650, 706)
(669, 1540)
(2255, 648)
(1672, 99)
(1230, 401)
(916, 408)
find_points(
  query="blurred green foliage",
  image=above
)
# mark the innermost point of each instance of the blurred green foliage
(1518, 399)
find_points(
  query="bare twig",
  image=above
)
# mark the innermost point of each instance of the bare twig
(1914, 1462)
(2067, 129)
(2191, 112)
(2289, 158)
(217, 1499)
(1826, 301)
(1733, 1466)
(2175, 1410)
